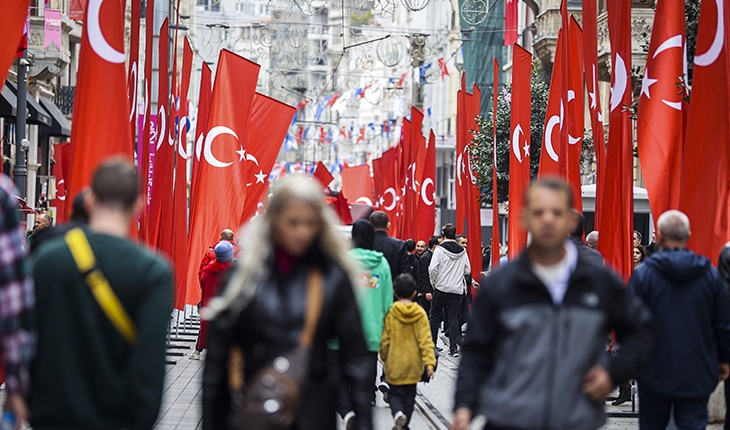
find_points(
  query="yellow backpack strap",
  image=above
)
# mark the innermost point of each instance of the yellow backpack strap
(99, 286)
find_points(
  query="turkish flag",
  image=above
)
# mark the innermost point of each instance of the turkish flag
(464, 121)
(661, 107)
(590, 59)
(143, 160)
(133, 73)
(101, 109)
(427, 192)
(219, 200)
(408, 168)
(206, 92)
(705, 187)
(510, 22)
(323, 175)
(617, 191)
(358, 185)
(270, 121)
(384, 178)
(495, 185)
(473, 215)
(575, 110)
(519, 160)
(160, 208)
(342, 209)
(554, 118)
(12, 23)
(62, 155)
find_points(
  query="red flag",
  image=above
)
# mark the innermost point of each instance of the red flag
(444, 68)
(62, 155)
(554, 118)
(464, 120)
(323, 175)
(590, 52)
(357, 184)
(384, 179)
(495, 184)
(23, 45)
(510, 22)
(101, 115)
(660, 131)
(408, 166)
(342, 209)
(519, 163)
(12, 25)
(473, 217)
(616, 235)
(133, 74)
(402, 79)
(160, 209)
(575, 110)
(206, 91)
(220, 200)
(145, 167)
(705, 189)
(270, 121)
(427, 193)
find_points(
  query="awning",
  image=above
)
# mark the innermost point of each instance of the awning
(36, 114)
(60, 125)
(7, 103)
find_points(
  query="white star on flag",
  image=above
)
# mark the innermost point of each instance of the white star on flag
(241, 153)
(646, 83)
(260, 177)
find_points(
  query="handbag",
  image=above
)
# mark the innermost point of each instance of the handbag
(270, 400)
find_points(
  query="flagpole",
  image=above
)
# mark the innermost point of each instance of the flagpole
(20, 171)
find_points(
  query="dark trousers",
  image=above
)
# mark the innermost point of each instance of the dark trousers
(345, 403)
(654, 412)
(403, 398)
(425, 304)
(727, 404)
(452, 304)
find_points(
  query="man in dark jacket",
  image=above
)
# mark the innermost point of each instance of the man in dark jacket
(393, 250)
(413, 262)
(723, 266)
(425, 289)
(689, 304)
(539, 328)
(576, 236)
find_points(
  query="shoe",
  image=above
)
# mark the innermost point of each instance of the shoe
(349, 420)
(195, 355)
(624, 395)
(454, 353)
(400, 420)
(384, 387)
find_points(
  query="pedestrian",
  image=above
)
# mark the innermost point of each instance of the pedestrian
(42, 221)
(652, 248)
(421, 248)
(227, 235)
(592, 240)
(639, 255)
(425, 288)
(394, 250)
(576, 236)
(17, 331)
(637, 238)
(290, 294)
(413, 262)
(534, 350)
(103, 312)
(79, 218)
(407, 350)
(486, 257)
(723, 266)
(449, 265)
(210, 282)
(691, 313)
(375, 297)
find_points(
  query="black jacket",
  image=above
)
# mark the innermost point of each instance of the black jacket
(271, 325)
(522, 352)
(394, 251)
(651, 249)
(691, 315)
(424, 281)
(414, 267)
(584, 251)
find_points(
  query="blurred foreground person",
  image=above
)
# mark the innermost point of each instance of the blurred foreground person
(285, 300)
(689, 305)
(103, 311)
(723, 266)
(539, 327)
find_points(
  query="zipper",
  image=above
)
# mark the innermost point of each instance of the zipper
(547, 408)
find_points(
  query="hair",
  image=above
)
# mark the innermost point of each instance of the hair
(404, 286)
(46, 217)
(553, 184)
(642, 250)
(449, 231)
(259, 244)
(638, 234)
(410, 245)
(592, 238)
(115, 183)
(579, 225)
(433, 241)
(379, 220)
(674, 225)
(78, 211)
(461, 236)
(227, 234)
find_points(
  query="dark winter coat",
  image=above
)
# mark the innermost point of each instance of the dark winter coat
(691, 323)
(394, 251)
(414, 267)
(584, 251)
(424, 281)
(271, 325)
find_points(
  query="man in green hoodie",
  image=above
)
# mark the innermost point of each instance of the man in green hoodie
(375, 297)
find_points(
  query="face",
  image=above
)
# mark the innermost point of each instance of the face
(547, 217)
(41, 222)
(637, 241)
(296, 228)
(653, 237)
(463, 242)
(420, 247)
(637, 255)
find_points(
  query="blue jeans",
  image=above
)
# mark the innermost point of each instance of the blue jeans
(654, 412)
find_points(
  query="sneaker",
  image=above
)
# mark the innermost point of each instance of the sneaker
(454, 353)
(350, 420)
(195, 355)
(383, 387)
(400, 420)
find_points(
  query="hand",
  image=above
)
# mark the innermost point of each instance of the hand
(429, 297)
(430, 372)
(597, 383)
(16, 404)
(462, 418)
(724, 371)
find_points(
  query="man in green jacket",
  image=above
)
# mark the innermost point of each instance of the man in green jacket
(101, 360)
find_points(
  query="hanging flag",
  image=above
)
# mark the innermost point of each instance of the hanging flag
(473, 217)
(145, 159)
(554, 118)
(495, 188)
(705, 188)
(575, 110)
(219, 200)
(427, 192)
(384, 179)
(342, 209)
(323, 175)
(402, 79)
(62, 156)
(510, 22)
(133, 73)
(660, 124)
(357, 184)
(590, 52)
(411, 185)
(101, 108)
(76, 10)
(617, 191)
(13, 23)
(519, 162)
(23, 44)
(269, 123)
(52, 28)
(464, 107)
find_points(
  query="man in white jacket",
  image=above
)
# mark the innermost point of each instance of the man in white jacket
(448, 267)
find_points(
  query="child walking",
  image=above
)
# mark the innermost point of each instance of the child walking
(406, 349)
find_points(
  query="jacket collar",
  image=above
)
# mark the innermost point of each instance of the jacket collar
(525, 276)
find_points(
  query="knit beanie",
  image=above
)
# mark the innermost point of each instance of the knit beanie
(224, 252)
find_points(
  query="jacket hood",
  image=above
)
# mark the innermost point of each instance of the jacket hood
(363, 234)
(368, 259)
(678, 266)
(406, 313)
(452, 249)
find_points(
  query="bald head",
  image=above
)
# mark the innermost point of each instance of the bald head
(673, 229)
(592, 240)
(227, 234)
